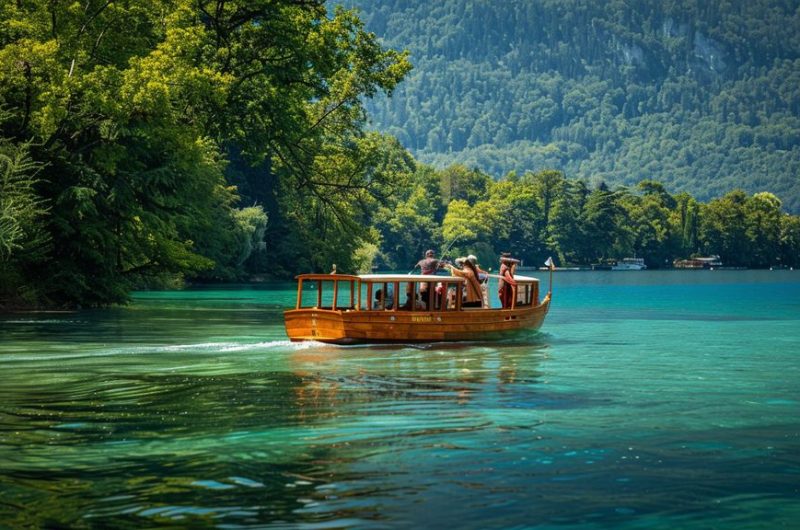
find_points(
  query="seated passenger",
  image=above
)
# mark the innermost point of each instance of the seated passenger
(413, 300)
(388, 303)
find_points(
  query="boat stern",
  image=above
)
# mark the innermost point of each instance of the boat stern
(314, 325)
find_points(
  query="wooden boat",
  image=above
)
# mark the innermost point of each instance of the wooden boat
(348, 309)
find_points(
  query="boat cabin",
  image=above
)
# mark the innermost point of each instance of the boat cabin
(396, 292)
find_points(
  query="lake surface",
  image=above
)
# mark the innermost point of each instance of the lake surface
(648, 400)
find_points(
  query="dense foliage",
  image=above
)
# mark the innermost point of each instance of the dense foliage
(537, 215)
(700, 95)
(118, 121)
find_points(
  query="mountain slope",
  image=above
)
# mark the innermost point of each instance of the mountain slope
(701, 95)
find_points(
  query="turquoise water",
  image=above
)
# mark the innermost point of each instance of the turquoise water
(648, 400)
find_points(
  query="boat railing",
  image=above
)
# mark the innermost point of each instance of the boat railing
(381, 292)
(343, 292)
(525, 293)
(422, 292)
(329, 298)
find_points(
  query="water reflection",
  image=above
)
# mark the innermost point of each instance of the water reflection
(123, 442)
(628, 411)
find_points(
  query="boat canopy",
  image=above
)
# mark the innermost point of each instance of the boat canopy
(518, 278)
(380, 278)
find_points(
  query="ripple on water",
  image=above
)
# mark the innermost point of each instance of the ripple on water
(162, 416)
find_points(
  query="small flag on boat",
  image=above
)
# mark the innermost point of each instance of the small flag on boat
(550, 263)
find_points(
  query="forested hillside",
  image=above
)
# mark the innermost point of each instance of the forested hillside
(701, 95)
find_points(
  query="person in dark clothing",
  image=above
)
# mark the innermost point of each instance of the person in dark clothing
(428, 265)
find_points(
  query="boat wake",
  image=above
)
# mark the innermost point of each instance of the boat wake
(203, 348)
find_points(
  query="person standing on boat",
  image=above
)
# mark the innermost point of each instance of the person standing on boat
(473, 287)
(483, 278)
(507, 285)
(482, 274)
(428, 265)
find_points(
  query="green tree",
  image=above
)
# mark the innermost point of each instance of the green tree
(460, 183)
(520, 216)
(685, 224)
(651, 234)
(600, 223)
(723, 228)
(23, 239)
(565, 233)
(131, 109)
(763, 231)
(407, 225)
(790, 241)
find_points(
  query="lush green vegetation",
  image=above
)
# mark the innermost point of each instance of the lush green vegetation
(537, 215)
(145, 143)
(700, 95)
(120, 120)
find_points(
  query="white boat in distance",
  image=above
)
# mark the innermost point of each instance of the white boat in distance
(629, 264)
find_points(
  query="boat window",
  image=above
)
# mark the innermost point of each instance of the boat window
(527, 294)
(317, 293)
(412, 299)
(308, 294)
(367, 295)
(523, 294)
(377, 295)
(320, 294)
(411, 295)
(347, 294)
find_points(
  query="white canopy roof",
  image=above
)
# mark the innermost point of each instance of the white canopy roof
(378, 278)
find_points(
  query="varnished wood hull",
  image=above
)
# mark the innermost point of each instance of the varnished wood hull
(349, 327)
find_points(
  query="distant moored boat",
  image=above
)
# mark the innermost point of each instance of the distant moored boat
(710, 262)
(629, 264)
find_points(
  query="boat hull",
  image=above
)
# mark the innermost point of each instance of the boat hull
(352, 327)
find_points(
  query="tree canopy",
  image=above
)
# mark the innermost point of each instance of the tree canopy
(120, 120)
(543, 214)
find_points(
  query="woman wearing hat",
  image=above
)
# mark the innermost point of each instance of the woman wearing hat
(470, 273)
(483, 277)
(507, 285)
